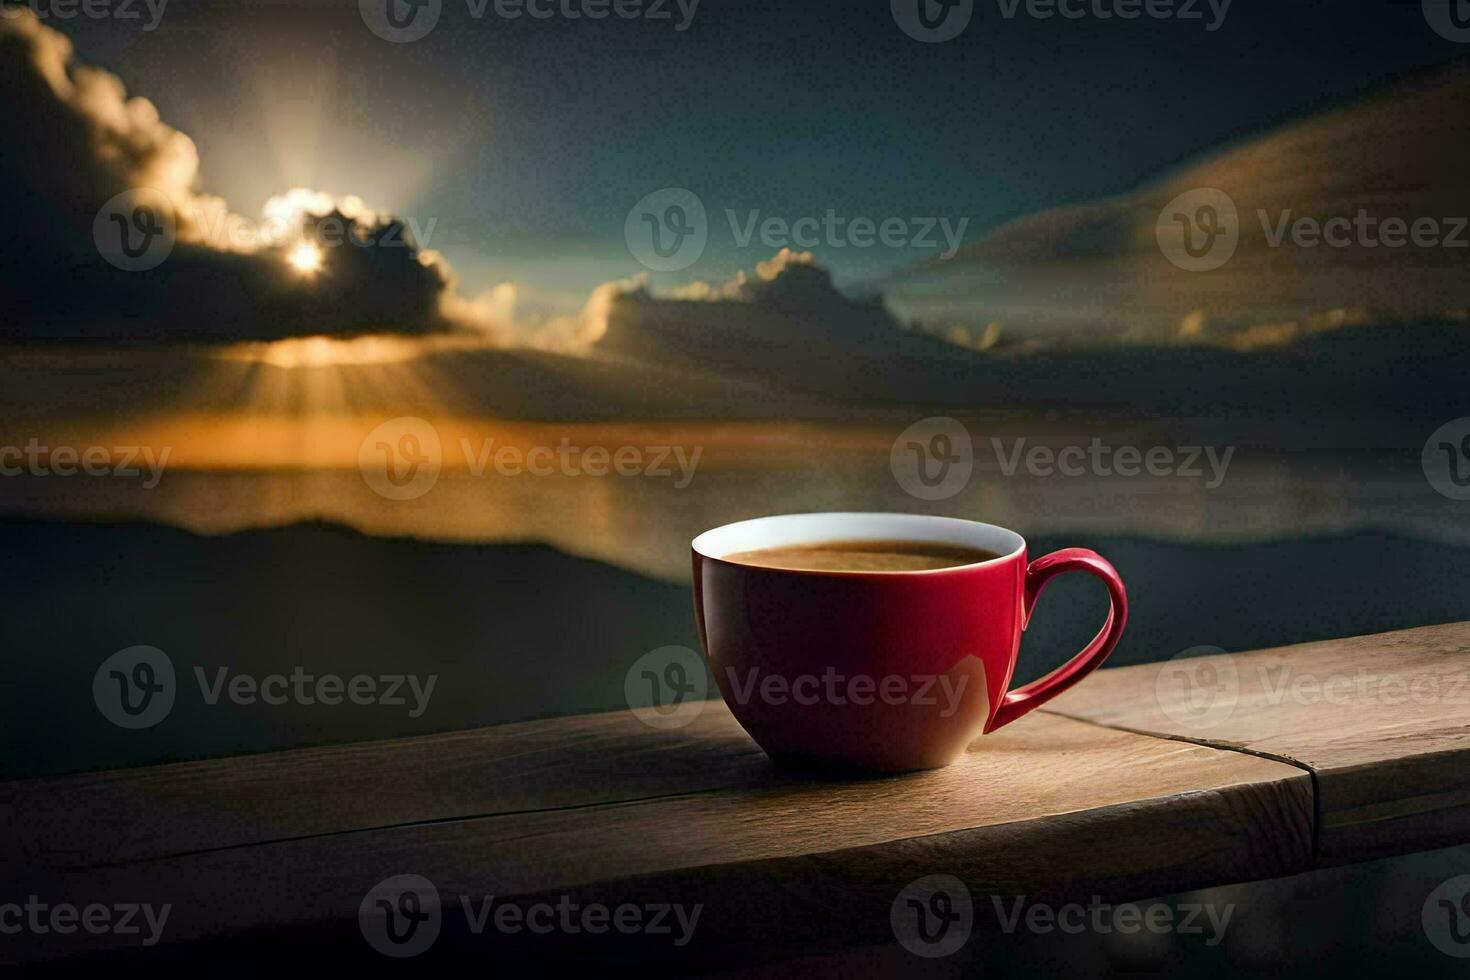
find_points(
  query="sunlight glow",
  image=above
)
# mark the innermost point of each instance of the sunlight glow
(371, 349)
(305, 258)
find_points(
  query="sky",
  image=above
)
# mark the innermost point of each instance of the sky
(519, 146)
(522, 154)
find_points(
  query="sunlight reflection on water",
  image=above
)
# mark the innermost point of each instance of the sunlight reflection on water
(645, 523)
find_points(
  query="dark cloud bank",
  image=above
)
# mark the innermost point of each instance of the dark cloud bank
(73, 140)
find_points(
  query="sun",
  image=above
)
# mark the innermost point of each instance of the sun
(305, 258)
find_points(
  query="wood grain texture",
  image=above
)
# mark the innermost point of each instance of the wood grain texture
(273, 846)
(1382, 722)
(135, 814)
(1142, 781)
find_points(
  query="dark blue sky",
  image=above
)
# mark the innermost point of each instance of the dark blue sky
(526, 142)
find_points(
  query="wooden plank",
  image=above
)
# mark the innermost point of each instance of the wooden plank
(1383, 723)
(1045, 804)
(135, 814)
(1174, 775)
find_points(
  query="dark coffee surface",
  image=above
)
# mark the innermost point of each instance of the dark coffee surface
(863, 556)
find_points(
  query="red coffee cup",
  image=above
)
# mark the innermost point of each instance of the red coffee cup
(884, 671)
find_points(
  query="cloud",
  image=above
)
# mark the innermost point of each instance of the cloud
(84, 139)
(1096, 274)
(789, 328)
(77, 141)
(741, 286)
(786, 325)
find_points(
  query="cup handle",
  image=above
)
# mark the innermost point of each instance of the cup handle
(1038, 574)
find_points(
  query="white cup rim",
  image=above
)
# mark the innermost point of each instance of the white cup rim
(790, 529)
